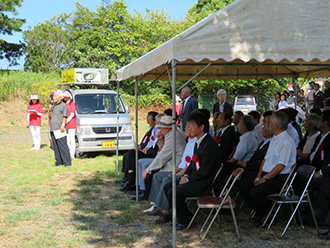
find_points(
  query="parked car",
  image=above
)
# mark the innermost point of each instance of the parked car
(245, 103)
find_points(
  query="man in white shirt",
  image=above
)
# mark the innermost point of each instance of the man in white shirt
(277, 164)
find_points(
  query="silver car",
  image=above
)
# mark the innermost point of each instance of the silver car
(245, 104)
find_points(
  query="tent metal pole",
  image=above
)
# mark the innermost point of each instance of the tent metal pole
(117, 138)
(174, 62)
(194, 76)
(136, 142)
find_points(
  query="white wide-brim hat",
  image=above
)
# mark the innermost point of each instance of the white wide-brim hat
(165, 122)
(67, 94)
(34, 97)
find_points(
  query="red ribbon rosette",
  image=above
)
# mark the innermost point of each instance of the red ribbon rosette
(234, 148)
(216, 138)
(152, 138)
(321, 147)
(195, 159)
(188, 159)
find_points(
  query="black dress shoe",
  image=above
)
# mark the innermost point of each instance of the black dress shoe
(133, 192)
(127, 186)
(123, 180)
(180, 226)
(156, 211)
(164, 218)
(325, 235)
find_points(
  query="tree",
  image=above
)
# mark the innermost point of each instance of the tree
(8, 25)
(204, 8)
(47, 45)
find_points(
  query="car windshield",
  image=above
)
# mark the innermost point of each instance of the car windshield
(98, 103)
(244, 101)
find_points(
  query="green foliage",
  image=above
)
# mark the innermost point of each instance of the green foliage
(47, 45)
(10, 51)
(23, 83)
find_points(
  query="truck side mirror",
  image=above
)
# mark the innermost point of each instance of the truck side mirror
(128, 109)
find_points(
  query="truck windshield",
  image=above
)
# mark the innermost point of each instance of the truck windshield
(98, 103)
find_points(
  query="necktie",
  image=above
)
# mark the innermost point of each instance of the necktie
(181, 110)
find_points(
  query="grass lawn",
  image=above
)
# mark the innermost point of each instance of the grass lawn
(81, 206)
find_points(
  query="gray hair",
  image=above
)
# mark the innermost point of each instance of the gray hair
(313, 119)
(281, 119)
(248, 122)
(221, 90)
(187, 89)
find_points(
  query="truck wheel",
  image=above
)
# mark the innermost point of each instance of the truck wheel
(78, 153)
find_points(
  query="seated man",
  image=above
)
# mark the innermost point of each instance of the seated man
(226, 138)
(322, 208)
(163, 160)
(161, 178)
(276, 166)
(306, 144)
(247, 142)
(129, 157)
(291, 130)
(257, 128)
(251, 167)
(235, 119)
(320, 157)
(197, 180)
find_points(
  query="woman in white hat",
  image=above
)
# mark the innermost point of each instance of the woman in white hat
(70, 122)
(34, 113)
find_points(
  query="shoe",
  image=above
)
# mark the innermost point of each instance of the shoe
(67, 165)
(164, 218)
(149, 209)
(123, 180)
(180, 226)
(140, 197)
(325, 235)
(133, 192)
(32, 148)
(127, 186)
(156, 211)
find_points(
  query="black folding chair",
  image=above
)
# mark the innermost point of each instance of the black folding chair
(289, 197)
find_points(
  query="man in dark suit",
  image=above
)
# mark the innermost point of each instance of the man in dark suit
(187, 106)
(222, 105)
(128, 167)
(197, 180)
(322, 208)
(226, 138)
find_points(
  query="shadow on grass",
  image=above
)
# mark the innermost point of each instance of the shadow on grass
(107, 215)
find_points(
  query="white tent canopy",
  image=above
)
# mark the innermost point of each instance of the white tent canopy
(247, 39)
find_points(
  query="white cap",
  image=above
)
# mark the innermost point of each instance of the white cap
(177, 98)
(59, 92)
(34, 97)
(67, 94)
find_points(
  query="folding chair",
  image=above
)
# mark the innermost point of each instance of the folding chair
(282, 191)
(289, 197)
(195, 198)
(224, 201)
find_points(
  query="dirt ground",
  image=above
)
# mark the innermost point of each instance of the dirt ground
(139, 230)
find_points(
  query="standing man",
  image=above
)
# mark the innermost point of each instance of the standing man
(326, 94)
(318, 97)
(58, 115)
(187, 106)
(222, 105)
(310, 96)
